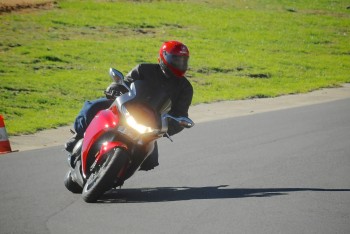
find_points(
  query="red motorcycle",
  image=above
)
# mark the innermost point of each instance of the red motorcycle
(119, 139)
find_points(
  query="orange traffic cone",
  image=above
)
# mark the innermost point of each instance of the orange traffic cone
(4, 141)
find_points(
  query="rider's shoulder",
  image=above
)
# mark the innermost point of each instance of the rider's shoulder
(187, 85)
(148, 66)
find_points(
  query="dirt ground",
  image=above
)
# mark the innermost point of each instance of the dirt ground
(8, 6)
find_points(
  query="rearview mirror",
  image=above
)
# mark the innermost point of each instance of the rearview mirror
(182, 121)
(116, 76)
(185, 122)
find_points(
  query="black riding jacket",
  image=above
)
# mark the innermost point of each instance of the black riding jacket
(179, 90)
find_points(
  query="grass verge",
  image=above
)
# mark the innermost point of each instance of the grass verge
(52, 60)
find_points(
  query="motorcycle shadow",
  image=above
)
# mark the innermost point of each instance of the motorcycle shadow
(167, 194)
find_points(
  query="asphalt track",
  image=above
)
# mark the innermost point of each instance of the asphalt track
(284, 171)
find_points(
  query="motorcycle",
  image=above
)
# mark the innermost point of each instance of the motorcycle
(119, 139)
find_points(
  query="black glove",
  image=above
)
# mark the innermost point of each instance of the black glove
(113, 90)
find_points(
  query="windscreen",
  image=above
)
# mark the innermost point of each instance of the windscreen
(152, 96)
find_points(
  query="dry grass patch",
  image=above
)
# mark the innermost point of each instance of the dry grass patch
(7, 6)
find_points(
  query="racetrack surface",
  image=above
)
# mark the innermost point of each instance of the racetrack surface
(283, 171)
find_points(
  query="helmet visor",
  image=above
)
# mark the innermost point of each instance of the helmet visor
(178, 62)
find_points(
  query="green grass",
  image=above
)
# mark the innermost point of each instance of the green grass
(53, 60)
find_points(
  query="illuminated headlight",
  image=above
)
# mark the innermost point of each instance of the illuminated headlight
(138, 127)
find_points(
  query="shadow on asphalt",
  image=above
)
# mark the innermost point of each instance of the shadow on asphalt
(166, 194)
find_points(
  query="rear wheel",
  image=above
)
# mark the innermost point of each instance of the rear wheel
(104, 174)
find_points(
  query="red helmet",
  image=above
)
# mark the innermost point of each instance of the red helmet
(173, 58)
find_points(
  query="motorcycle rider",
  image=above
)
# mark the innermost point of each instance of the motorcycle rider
(168, 74)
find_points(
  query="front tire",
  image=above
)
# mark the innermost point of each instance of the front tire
(104, 174)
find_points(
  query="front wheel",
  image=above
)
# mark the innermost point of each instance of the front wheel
(104, 174)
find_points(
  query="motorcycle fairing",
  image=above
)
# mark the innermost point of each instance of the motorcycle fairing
(103, 122)
(107, 146)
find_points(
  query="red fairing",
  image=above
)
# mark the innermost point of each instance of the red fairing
(107, 146)
(102, 122)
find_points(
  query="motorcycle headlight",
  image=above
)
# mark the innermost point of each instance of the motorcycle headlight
(136, 126)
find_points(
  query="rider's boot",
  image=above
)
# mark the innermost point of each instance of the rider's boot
(152, 161)
(69, 146)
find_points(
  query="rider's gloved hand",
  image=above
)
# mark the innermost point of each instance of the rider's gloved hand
(113, 90)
